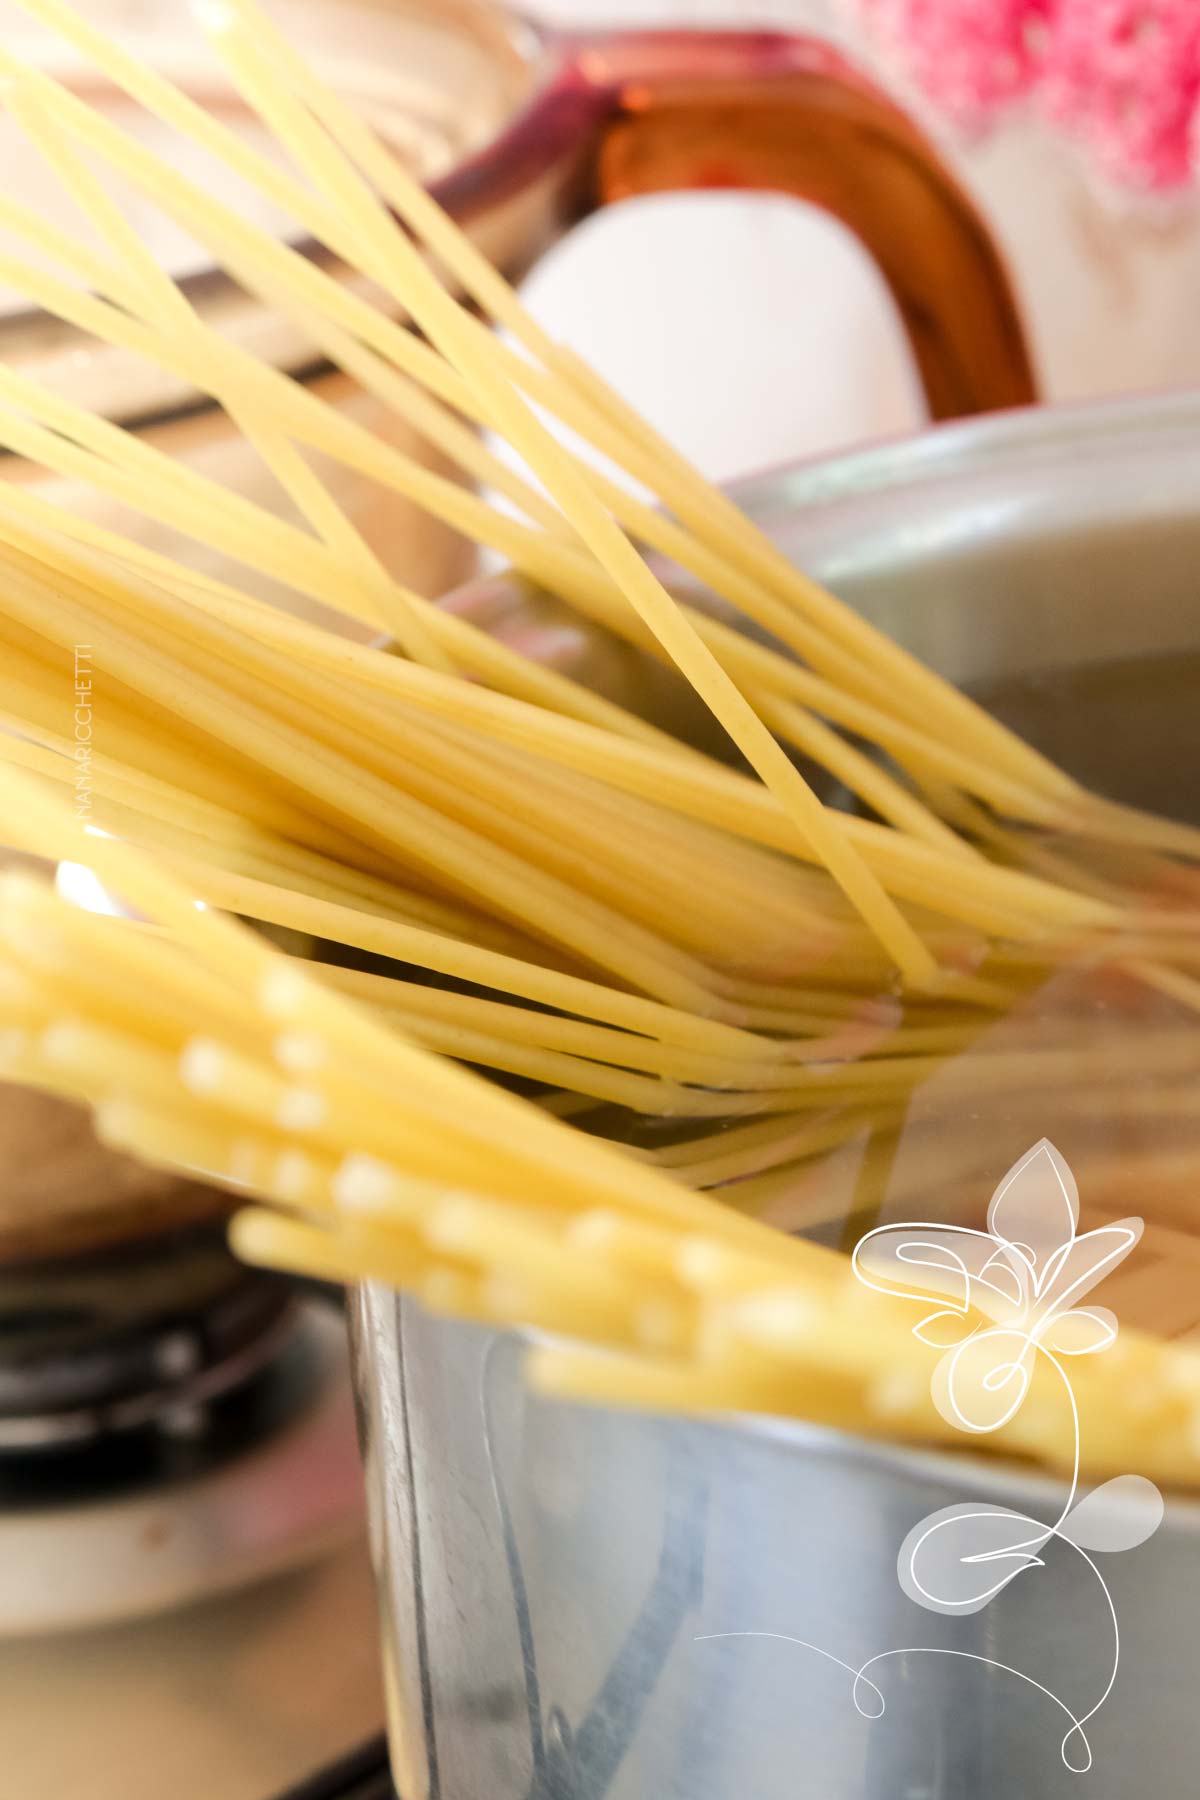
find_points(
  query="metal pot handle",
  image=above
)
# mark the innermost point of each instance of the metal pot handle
(654, 111)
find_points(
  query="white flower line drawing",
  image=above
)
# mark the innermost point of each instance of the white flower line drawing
(1026, 1273)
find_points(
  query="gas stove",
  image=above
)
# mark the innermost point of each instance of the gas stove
(186, 1604)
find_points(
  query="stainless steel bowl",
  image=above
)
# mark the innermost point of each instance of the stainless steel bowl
(585, 1602)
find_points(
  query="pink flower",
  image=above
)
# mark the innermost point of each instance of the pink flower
(1122, 75)
(973, 57)
(1125, 74)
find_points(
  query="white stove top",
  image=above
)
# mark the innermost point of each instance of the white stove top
(233, 1699)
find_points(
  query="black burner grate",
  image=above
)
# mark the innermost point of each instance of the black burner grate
(148, 1331)
(363, 1775)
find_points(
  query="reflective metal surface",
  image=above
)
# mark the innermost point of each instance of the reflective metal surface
(559, 1583)
(557, 1580)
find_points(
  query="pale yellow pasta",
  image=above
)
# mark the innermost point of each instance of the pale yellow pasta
(475, 863)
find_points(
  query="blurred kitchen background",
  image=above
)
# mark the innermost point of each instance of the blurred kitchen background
(185, 1602)
(789, 310)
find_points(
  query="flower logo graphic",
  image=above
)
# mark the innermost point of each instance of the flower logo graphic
(1025, 1274)
(1005, 1297)
(1008, 1295)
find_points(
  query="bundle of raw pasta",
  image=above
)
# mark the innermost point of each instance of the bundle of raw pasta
(483, 859)
(200, 1045)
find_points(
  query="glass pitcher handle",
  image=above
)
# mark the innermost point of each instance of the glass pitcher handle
(657, 111)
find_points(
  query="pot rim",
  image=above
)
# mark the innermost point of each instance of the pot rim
(962, 446)
(978, 1473)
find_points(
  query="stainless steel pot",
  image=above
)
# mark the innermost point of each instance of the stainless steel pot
(558, 1583)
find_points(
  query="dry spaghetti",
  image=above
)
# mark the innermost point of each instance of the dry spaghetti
(484, 864)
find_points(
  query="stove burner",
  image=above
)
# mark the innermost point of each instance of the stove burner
(172, 1425)
(150, 1336)
(143, 1521)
